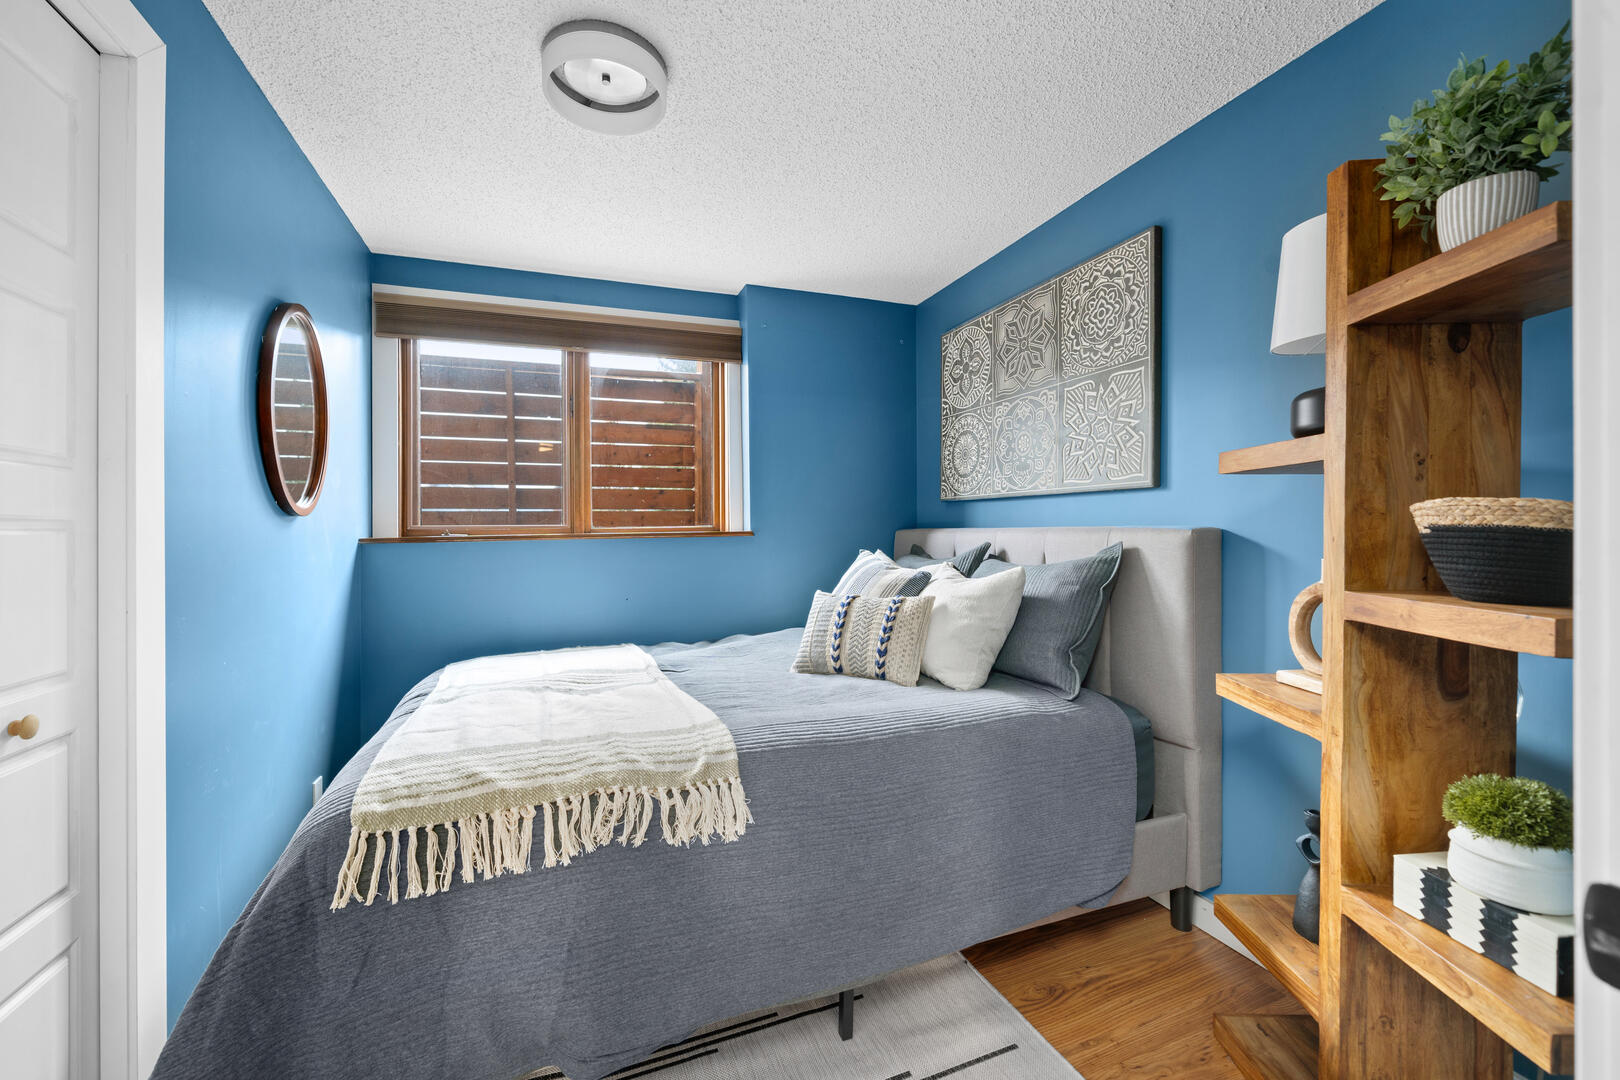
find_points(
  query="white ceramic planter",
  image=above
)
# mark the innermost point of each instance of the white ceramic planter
(1475, 208)
(1536, 879)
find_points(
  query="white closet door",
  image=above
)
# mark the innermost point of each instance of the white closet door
(49, 90)
(1597, 529)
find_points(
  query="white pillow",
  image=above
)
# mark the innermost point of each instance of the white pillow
(970, 622)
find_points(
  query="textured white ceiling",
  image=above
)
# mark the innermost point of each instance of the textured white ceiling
(872, 149)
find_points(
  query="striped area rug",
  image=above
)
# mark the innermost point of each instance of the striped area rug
(929, 1022)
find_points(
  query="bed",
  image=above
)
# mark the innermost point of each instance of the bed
(892, 825)
(1160, 650)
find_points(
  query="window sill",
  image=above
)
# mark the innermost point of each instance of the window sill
(461, 538)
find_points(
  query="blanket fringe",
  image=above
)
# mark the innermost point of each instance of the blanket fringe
(503, 841)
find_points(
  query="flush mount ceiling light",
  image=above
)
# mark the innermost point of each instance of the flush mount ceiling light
(604, 77)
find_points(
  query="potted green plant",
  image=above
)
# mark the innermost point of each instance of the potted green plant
(1472, 157)
(1513, 842)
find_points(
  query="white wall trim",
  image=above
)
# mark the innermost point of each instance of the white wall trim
(132, 840)
(112, 27)
(550, 305)
(385, 421)
(1596, 164)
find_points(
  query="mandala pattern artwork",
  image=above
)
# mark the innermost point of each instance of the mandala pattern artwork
(1055, 390)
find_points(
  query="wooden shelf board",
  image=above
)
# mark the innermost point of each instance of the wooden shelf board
(1510, 274)
(1265, 926)
(1273, 1046)
(1262, 693)
(1544, 631)
(1289, 456)
(1534, 1022)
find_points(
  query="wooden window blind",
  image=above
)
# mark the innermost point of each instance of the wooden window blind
(401, 316)
(501, 439)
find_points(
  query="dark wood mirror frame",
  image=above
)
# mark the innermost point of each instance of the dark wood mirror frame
(284, 316)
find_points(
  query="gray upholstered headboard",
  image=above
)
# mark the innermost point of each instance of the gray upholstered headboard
(1160, 650)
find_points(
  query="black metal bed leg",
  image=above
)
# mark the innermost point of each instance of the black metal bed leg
(846, 1015)
(1181, 908)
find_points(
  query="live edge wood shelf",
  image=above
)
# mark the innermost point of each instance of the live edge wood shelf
(1287, 705)
(1290, 456)
(1265, 926)
(1540, 1025)
(1543, 631)
(1423, 388)
(1511, 274)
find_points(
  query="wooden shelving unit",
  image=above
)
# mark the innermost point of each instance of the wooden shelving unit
(1287, 705)
(1539, 630)
(1289, 456)
(1423, 387)
(1539, 1025)
(1265, 926)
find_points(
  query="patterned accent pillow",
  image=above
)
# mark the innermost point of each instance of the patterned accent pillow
(965, 563)
(869, 637)
(875, 574)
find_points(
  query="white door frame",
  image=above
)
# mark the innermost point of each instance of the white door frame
(130, 559)
(1597, 519)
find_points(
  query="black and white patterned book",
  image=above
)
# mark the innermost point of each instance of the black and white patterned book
(1540, 948)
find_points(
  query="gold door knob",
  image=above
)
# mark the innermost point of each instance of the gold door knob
(26, 728)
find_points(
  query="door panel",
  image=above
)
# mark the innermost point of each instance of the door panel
(36, 188)
(49, 93)
(34, 794)
(39, 399)
(36, 594)
(34, 1026)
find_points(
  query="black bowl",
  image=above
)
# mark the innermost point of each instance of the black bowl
(1504, 564)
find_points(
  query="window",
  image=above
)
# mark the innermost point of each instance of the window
(501, 438)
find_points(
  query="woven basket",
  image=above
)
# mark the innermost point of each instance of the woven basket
(1501, 551)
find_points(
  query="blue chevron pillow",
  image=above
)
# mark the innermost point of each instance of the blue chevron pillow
(869, 637)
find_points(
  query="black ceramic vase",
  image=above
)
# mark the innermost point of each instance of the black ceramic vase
(1307, 905)
(1308, 413)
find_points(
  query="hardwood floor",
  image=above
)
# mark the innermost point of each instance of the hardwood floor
(1121, 994)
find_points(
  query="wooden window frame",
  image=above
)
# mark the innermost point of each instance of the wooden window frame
(711, 477)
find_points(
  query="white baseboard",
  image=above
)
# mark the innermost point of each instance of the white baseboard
(1204, 919)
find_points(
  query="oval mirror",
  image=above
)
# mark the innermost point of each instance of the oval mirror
(292, 409)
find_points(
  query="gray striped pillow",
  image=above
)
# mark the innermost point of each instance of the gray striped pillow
(965, 563)
(1059, 620)
(868, 637)
(875, 574)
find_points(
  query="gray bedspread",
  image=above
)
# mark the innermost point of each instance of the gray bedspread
(892, 825)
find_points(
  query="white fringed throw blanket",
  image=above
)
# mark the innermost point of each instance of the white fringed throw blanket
(569, 747)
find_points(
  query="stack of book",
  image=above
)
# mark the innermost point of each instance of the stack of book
(1540, 948)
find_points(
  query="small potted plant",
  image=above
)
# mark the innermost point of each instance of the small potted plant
(1513, 842)
(1472, 157)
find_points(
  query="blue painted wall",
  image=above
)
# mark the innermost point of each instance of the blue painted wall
(278, 673)
(262, 608)
(1224, 193)
(832, 445)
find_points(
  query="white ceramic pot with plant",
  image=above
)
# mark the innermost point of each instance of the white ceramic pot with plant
(1512, 842)
(1472, 158)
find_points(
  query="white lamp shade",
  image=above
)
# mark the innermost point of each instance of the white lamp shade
(1299, 321)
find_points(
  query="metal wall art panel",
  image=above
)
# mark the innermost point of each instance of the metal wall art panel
(1057, 389)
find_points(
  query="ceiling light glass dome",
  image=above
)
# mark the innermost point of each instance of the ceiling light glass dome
(604, 77)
